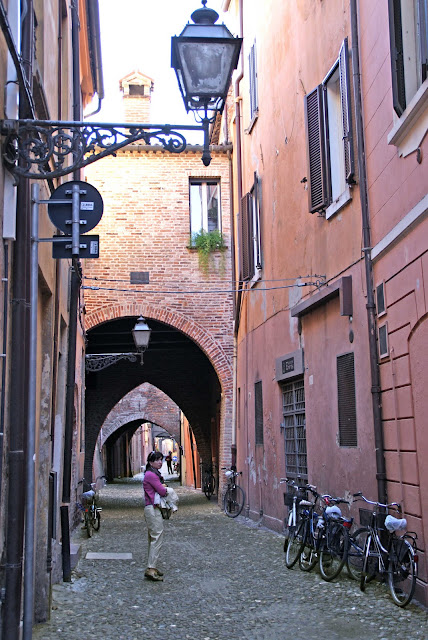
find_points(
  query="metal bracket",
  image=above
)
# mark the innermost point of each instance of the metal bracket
(44, 149)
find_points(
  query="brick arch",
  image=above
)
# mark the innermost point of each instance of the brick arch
(157, 408)
(212, 349)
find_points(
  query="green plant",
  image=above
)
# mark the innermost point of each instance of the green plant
(206, 242)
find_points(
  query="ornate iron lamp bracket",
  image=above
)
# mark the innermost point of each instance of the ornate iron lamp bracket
(44, 149)
(97, 362)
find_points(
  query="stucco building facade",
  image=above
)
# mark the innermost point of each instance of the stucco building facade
(328, 207)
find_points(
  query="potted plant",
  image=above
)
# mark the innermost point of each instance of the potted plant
(206, 243)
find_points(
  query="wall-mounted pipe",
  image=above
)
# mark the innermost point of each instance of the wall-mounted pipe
(371, 307)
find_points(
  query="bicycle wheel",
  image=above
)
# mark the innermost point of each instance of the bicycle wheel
(88, 526)
(96, 523)
(370, 562)
(209, 488)
(401, 571)
(355, 557)
(333, 551)
(308, 558)
(296, 541)
(234, 501)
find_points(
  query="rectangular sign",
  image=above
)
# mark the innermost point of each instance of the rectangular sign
(89, 247)
(86, 206)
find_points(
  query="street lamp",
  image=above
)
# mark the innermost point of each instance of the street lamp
(204, 57)
(141, 334)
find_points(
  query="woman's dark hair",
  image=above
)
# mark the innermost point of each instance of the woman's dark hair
(153, 455)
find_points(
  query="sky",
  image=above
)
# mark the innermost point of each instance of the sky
(136, 35)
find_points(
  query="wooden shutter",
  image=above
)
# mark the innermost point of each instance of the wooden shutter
(257, 194)
(345, 98)
(258, 408)
(346, 400)
(316, 150)
(246, 254)
(423, 36)
(397, 56)
(252, 60)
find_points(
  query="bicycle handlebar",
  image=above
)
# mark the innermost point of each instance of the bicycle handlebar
(390, 505)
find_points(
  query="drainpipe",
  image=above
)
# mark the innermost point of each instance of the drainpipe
(238, 99)
(19, 353)
(371, 308)
(72, 332)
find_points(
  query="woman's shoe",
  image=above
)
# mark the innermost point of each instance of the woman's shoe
(152, 574)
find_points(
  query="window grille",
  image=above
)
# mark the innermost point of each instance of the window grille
(293, 409)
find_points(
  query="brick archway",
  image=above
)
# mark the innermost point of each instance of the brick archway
(144, 404)
(217, 352)
(213, 350)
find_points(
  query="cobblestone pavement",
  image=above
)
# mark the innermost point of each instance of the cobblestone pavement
(225, 579)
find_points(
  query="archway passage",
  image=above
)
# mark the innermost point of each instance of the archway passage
(173, 363)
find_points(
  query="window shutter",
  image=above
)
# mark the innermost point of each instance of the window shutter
(316, 150)
(345, 98)
(258, 408)
(252, 59)
(397, 56)
(346, 400)
(257, 194)
(423, 36)
(246, 254)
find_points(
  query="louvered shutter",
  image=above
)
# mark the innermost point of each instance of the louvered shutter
(345, 98)
(254, 101)
(346, 400)
(316, 150)
(397, 56)
(258, 409)
(257, 195)
(246, 254)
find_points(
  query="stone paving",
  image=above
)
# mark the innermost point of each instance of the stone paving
(225, 579)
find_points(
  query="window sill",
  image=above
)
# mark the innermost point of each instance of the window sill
(410, 129)
(339, 203)
(252, 122)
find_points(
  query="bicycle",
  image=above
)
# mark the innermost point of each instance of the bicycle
(234, 496)
(208, 486)
(298, 520)
(393, 557)
(333, 535)
(91, 511)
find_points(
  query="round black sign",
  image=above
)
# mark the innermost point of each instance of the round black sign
(90, 207)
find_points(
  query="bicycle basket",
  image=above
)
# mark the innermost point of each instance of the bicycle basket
(288, 499)
(366, 517)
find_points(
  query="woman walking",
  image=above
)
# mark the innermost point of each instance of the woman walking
(154, 483)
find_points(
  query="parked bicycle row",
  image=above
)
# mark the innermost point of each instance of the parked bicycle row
(317, 534)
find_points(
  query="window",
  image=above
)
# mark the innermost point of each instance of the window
(204, 206)
(258, 409)
(383, 341)
(346, 400)
(254, 98)
(408, 21)
(329, 138)
(380, 299)
(250, 233)
(294, 425)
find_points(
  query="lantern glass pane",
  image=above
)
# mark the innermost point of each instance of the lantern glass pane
(206, 67)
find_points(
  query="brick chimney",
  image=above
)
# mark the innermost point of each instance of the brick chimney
(137, 89)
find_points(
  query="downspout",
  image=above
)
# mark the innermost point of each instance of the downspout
(371, 308)
(19, 359)
(238, 99)
(72, 332)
